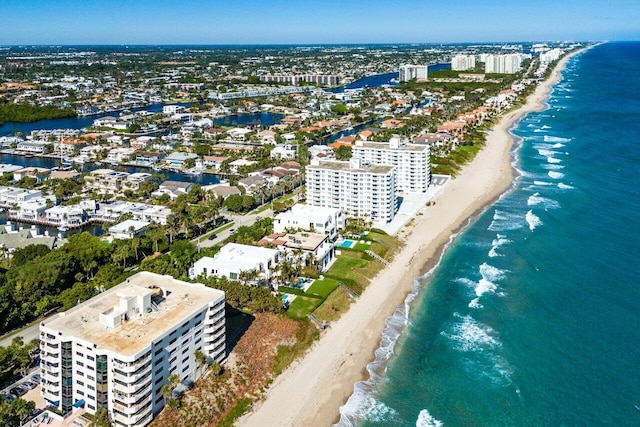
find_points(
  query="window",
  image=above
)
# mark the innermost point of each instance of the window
(185, 359)
(91, 378)
(158, 381)
(80, 382)
(158, 352)
(92, 388)
(79, 363)
(91, 407)
(80, 373)
(158, 371)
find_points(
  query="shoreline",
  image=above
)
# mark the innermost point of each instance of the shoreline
(312, 390)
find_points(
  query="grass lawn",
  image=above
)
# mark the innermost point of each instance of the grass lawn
(361, 247)
(301, 306)
(344, 265)
(334, 306)
(323, 287)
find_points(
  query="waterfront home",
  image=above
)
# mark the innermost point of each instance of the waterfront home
(69, 146)
(455, 128)
(6, 168)
(314, 247)
(173, 189)
(266, 136)
(40, 174)
(11, 195)
(91, 151)
(111, 122)
(33, 147)
(234, 259)
(176, 160)
(133, 181)
(120, 155)
(105, 180)
(310, 218)
(213, 162)
(128, 229)
(149, 158)
(67, 216)
(110, 212)
(32, 210)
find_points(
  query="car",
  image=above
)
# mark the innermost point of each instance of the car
(17, 391)
(231, 231)
(258, 218)
(8, 397)
(36, 378)
(213, 236)
(28, 385)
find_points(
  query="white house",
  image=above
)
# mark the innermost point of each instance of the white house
(234, 258)
(310, 218)
(128, 229)
(284, 151)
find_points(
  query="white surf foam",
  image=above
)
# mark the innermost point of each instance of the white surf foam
(555, 175)
(551, 138)
(475, 303)
(551, 159)
(504, 221)
(552, 166)
(536, 199)
(496, 243)
(563, 186)
(533, 220)
(425, 419)
(546, 153)
(469, 335)
(542, 183)
(558, 145)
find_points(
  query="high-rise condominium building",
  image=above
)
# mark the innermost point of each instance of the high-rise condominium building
(463, 62)
(413, 168)
(502, 64)
(118, 349)
(410, 72)
(357, 187)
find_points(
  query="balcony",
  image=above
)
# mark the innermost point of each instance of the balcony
(132, 366)
(130, 388)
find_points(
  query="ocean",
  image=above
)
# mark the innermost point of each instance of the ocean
(532, 316)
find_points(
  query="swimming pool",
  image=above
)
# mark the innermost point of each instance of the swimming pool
(346, 243)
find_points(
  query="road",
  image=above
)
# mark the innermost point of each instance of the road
(29, 333)
(238, 221)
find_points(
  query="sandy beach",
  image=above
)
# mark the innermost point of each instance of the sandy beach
(312, 390)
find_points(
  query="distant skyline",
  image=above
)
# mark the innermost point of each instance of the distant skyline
(65, 22)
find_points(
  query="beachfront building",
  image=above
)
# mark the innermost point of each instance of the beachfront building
(413, 72)
(234, 259)
(413, 168)
(463, 62)
(359, 188)
(304, 248)
(502, 64)
(118, 349)
(317, 219)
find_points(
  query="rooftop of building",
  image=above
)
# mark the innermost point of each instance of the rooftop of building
(337, 165)
(174, 301)
(387, 146)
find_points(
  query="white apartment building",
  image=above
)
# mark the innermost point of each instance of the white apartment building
(410, 72)
(413, 168)
(234, 258)
(502, 64)
(118, 349)
(357, 187)
(463, 62)
(550, 56)
(310, 218)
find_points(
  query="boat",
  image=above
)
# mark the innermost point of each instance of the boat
(62, 228)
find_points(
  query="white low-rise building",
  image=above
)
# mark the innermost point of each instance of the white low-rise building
(117, 350)
(234, 259)
(310, 218)
(128, 229)
(315, 248)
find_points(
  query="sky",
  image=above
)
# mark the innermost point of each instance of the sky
(314, 22)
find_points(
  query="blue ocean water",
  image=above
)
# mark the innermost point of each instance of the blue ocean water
(532, 317)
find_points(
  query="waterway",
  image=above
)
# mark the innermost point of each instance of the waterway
(378, 80)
